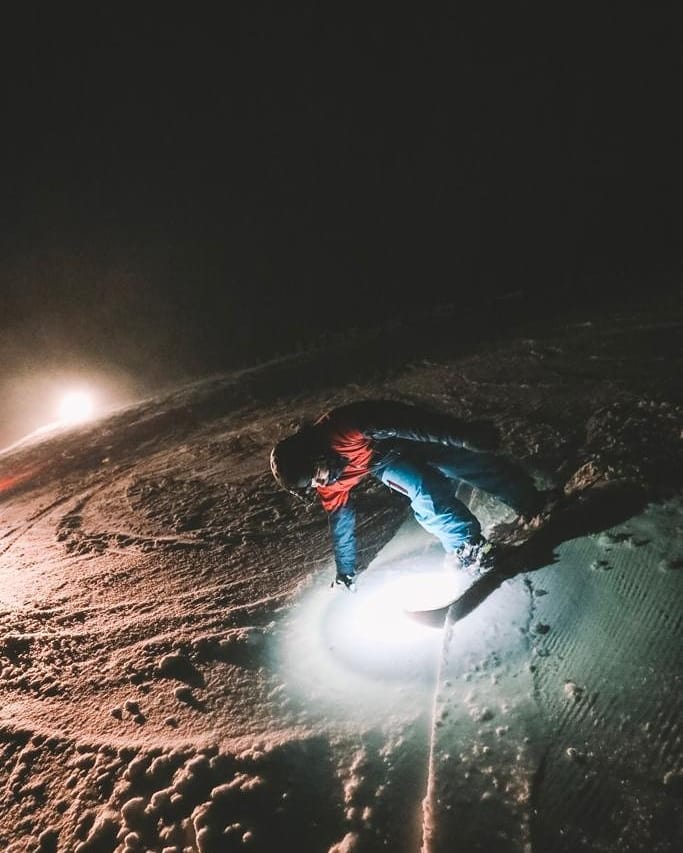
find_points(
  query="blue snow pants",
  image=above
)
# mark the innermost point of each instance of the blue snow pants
(425, 475)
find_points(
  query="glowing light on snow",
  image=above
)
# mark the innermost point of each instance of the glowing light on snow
(76, 407)
(379, 614)
(361, 652)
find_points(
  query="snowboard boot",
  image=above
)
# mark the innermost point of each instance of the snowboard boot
(475, 558)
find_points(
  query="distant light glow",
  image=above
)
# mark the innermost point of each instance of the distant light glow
(76, 406)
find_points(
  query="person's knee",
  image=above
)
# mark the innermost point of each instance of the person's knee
(439, 488)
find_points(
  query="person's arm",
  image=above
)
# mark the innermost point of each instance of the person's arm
(389, 420)
(343, 530)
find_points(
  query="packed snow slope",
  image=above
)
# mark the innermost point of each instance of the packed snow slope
(176, 673)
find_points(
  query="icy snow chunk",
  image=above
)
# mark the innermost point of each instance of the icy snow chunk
(481, 715)
(184, 694)
(47, 839)
(674, 780)
(133, 811)
(103, 834)
(177, 665)
(573, 691)
(574, 755)
(674, 565)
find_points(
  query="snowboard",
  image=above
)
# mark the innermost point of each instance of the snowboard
(581, 513)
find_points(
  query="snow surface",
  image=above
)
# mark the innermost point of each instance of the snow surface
(177, 674)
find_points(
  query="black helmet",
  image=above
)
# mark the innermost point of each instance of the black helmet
(291, 461)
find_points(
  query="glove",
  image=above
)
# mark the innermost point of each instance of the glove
(347, 581)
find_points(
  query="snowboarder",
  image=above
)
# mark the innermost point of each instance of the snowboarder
(415, 451)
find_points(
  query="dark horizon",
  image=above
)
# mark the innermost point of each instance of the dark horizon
(186, 195)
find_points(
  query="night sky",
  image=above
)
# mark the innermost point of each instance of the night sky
(184, 191)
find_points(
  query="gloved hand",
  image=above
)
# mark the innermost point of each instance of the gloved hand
(347, 581)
